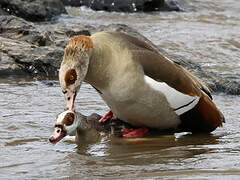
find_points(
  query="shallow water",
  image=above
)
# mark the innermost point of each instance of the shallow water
(28, 110)
(208, 34)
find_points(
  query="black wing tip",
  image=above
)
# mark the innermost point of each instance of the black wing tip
(207, 92)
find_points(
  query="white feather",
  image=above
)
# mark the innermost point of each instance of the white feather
(62, 115)
(180, 102)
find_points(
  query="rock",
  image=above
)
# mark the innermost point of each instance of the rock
(33, 10)
(127, 5)
(27, 50)
(22, 58)
(2, 12)
(74, 3)
(171, 5)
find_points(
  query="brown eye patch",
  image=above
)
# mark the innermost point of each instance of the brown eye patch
(68, 119)
(70, 77)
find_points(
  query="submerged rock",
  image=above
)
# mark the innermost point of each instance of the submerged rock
(127, 5)
(33, 10)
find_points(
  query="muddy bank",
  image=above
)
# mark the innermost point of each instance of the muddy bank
(27, 49)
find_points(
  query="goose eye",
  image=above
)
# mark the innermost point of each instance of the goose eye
(69, 119)
(70, 77)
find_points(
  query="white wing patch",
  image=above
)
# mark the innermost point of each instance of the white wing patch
(180, 102)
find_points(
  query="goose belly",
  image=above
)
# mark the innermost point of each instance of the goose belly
(143, 106)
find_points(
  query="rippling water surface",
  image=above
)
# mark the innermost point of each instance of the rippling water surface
(28, 110)
(208, 33)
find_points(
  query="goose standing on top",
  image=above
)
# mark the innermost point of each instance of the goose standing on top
(140, 85)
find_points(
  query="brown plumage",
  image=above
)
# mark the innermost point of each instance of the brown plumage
(70, 77)
(209, 112)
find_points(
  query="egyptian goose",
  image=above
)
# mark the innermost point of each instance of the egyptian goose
(139, 84)
(84, 128)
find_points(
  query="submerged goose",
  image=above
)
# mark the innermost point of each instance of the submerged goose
(140, 85)
(84, 128)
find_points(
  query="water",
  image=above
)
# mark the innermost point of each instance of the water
(208, 35)
(28, 110)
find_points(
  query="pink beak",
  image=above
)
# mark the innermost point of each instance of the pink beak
(70, 99)
(58, 134)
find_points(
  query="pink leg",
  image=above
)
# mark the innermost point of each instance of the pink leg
(107, 116)
(140, 132)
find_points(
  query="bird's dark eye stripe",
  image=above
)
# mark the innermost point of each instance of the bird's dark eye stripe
(64, 92)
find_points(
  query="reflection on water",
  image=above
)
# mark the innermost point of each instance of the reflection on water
(27, 116)
(208, 33)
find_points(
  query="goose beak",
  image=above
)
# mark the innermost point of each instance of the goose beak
(58, 134)
(70, 99)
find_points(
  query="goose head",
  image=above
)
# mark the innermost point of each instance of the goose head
(74, 67)
(67, 124)
(75, 124)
